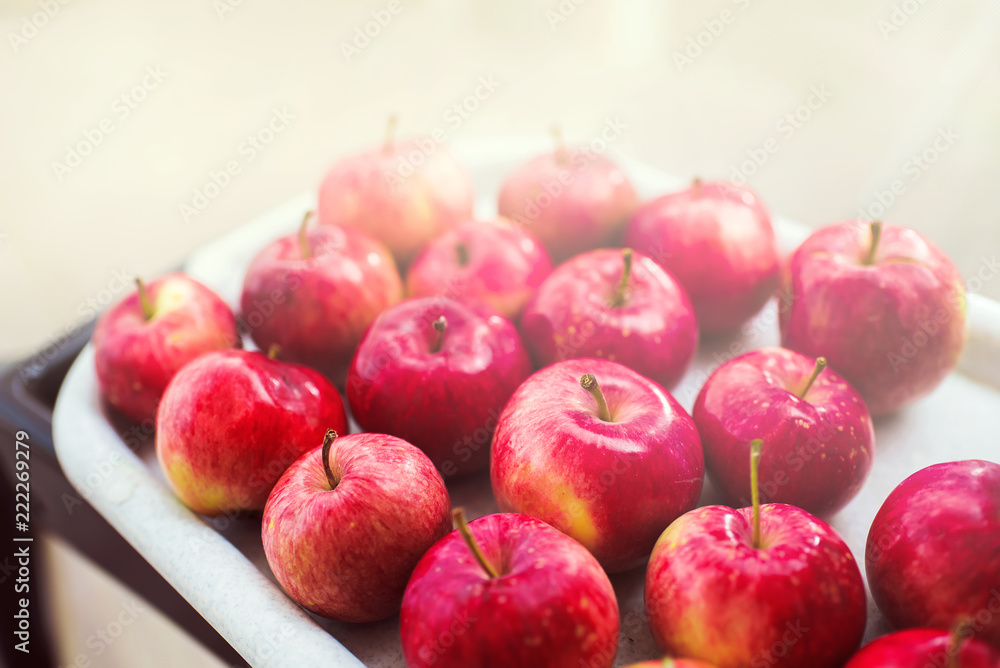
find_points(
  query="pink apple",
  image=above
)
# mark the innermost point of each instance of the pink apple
(404, 193)
(349, 520)
(885, 306)
(315, 293)
(617, 305)
(717, 240)
(819, 433)
(769, 585)
(437, 373)
(508, 590)
(572, 199)
(231, 422)
(933, 553)
(140, 343)
(925, 648)
(601, 453)
(493, 261)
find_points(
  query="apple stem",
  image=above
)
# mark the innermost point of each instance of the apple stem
(955, 640)
(696, 187)
(390, 135)
(328, 440)
(589, 382)
(562, 155)
(876, 228)
(273, 351)
(817, 370)
(462, 251)
(755, 448)
(304, 237)
(439, 325)
(463, 529)
(147, 308)
(618, 299)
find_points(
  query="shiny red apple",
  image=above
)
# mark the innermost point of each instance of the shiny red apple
(315, 293)
(572, 199)
(347, 523)
(768, 585)
(404, 193)
(231, 422)
(933, 552)
(601, 453)
(437, 373)
(493, 261)
(818, 430)
(140, 343)
(508, 590)
(717, 240)
(885, 306)
(925, 648)
(618, 305)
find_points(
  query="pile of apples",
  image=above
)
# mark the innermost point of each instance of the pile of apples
(556, 379)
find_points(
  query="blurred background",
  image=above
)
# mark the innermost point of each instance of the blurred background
(115, 115)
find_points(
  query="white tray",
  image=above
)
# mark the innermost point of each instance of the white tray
(219, 566)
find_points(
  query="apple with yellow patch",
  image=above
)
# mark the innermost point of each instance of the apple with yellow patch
(232, 421)
(601, 453)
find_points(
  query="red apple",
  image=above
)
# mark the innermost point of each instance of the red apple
(601, 453)
(717, 240)
(819, 433)
(925, 648)
(504, 591)
(572, 199)
(493, 261)
(140, 343)
(437, 373)
(404, 193)
(315, 293)
(933, 552)
(616, 305)
(231, 422)
(668, 662)
(348, 521)
(887, 308)
(770, 585)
